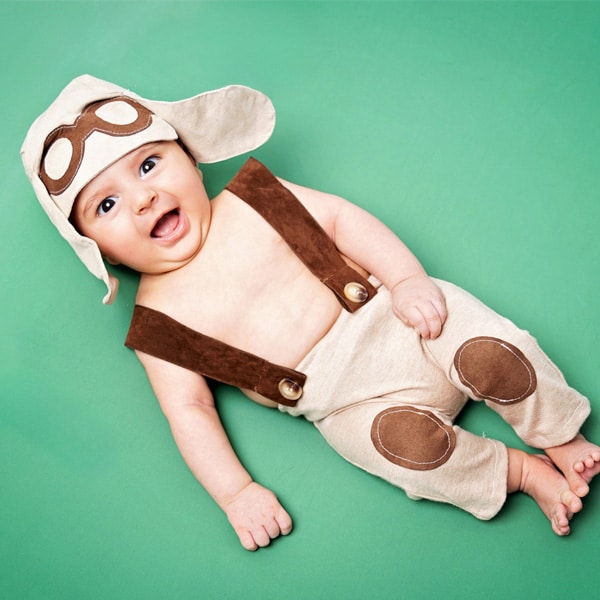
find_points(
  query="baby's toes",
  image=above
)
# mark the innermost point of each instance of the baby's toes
(577, 480)
(560, 520)
(579, 487)
(588, 467)
(571, 502)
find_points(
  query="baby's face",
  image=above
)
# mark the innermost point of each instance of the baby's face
(149, 210)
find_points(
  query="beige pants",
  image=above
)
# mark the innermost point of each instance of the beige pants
(386, 400)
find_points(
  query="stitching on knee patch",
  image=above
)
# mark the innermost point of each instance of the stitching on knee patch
(495, 370)
(412, 438)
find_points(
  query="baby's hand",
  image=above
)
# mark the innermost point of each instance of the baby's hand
(257, 516)
(419, 303)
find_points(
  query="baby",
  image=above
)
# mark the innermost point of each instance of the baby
(305, 302)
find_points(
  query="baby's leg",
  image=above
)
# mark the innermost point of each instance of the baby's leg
(536, 476)
(422, 453)
(579, 460)
(490, 359)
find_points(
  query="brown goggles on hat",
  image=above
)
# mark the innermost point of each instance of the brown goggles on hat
(93, 118)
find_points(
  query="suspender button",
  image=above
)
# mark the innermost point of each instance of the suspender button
(356, 292)
(289, 389)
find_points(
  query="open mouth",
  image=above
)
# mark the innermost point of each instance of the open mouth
(166, 225)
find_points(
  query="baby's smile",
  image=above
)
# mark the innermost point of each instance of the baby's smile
(166, 225)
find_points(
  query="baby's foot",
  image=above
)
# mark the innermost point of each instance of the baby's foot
(551, 492)
(579, 460)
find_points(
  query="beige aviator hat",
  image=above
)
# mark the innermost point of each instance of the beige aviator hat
(93, 123)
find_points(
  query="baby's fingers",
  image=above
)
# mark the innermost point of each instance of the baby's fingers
(284, 521)
(426, 319)
(255, 538)
(281, 524)
(247, 540)
(257, 516)
(261, 535)
(435, 318)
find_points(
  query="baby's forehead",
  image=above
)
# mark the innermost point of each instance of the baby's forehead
(131, 157)
(141, 151)
(115, 170)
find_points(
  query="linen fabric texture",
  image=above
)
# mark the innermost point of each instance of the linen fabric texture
(370, 367)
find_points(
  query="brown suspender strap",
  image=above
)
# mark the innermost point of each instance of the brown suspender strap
(157, 334)
(259, 188)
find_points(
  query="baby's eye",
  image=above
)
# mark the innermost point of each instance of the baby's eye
(106, 205)
(148, 165)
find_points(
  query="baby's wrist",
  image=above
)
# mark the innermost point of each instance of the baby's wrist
(412, 277)
(235, 491)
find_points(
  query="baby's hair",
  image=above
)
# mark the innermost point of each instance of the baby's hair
(185, 149)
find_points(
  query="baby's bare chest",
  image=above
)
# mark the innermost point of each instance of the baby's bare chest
(248, 289)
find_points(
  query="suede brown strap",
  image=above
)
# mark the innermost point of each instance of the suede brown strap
(157, 334)
(260, 189)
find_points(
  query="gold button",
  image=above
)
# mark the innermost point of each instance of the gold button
(355, 292)
(289, 389)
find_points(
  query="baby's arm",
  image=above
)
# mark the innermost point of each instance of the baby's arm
(254, 511)
(363, 238)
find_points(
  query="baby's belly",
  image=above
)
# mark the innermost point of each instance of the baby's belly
(293, 335)
(259, 399)
(293, 311)
(282, 327)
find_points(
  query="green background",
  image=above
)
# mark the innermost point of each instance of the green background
(472, 129)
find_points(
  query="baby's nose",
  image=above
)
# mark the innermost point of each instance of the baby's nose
(144, 198)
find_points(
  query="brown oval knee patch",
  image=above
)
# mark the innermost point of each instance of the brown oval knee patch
(412, 438)
(495, 370)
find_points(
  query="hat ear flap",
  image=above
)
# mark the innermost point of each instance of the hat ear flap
(86, 249)
(219, 124)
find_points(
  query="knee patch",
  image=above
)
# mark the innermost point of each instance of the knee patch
(495, 370)
(412, 438)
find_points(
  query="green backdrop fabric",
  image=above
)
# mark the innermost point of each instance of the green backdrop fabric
(471, 128)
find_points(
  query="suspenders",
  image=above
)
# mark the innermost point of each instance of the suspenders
(260, 189)
(154, 333)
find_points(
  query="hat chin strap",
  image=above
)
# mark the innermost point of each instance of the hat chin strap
(113, 286)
